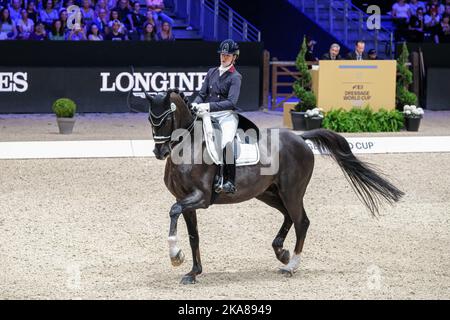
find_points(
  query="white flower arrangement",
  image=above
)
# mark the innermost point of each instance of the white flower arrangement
(314, 113)
(411, 111)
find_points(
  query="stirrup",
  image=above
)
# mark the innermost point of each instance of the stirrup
(229, 187)
(218, 186)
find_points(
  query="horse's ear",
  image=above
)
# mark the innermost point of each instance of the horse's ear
(167, 98)
(149, 97)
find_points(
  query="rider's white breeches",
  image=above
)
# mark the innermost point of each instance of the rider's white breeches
(228, 122)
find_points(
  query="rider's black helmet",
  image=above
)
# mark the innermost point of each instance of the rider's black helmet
(229, 47)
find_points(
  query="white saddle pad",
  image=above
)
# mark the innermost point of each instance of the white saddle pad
(248, 153)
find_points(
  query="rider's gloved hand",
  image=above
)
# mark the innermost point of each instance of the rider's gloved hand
(202, 108)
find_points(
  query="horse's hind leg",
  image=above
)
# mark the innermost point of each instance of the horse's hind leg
(191, 222)
(301, 224)
(273, 199)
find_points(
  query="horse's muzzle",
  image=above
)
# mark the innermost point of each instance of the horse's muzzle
(161, 153)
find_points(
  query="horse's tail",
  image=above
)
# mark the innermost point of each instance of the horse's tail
(370, 187)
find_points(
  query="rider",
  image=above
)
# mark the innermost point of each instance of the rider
(219, 95)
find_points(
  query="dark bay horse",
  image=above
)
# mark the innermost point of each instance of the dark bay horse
(192, 184)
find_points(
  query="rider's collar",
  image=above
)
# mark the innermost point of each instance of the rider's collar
(222, 70)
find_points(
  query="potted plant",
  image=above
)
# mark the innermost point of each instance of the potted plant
(302, 90)
(64, 110)
(313, 118)
(412, 117)
(404, 80)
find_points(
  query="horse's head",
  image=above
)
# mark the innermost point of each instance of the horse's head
(167, 113)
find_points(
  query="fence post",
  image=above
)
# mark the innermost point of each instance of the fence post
(274, 84)
(266, 80)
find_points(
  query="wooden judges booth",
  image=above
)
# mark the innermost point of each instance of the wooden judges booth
(347, 84)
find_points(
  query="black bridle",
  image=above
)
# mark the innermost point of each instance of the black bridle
(158, 121)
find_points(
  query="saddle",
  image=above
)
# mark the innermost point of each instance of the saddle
(245, 143)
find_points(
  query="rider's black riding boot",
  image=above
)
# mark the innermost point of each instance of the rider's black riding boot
(228, 185)
(230, 169)
(227, 173)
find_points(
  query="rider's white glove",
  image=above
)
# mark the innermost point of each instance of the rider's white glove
(201, 108)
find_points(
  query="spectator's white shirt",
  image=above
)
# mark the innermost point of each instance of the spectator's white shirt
(27, 27)
(427, 19)
(402, 11)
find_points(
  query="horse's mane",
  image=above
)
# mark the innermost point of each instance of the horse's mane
(181, 94)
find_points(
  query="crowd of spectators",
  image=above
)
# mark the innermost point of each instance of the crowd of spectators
(96, 20)
(418, 21)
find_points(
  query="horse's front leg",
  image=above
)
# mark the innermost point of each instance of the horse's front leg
(190, 217)
(194, 201)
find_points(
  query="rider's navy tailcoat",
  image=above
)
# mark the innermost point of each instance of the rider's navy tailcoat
(221, 92)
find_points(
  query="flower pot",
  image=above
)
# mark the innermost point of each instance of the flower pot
(313, 123)
(298, 120)
(412, 124)
(65, 125)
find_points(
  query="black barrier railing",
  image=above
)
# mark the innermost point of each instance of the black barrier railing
(121, 53)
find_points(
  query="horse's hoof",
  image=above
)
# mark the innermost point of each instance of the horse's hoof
(178, 259)
(285, 257)
(188, 279)
(287, 272)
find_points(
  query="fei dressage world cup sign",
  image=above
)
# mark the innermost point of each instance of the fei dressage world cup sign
(106, 89)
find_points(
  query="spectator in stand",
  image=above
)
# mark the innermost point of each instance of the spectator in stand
(57, 33)
(400, 16)
(115, 34)
(48, 14)
(14, 10)
(8, 30)
(101, 4)
(77, 33)
(309, 55)
(25, 25)
(414, 5)
(157, 7)
(63, 18)
(31, 10)
(358, 53)
(137, 19)
(333, 54)
(149, 18)
(149, 33)
(416, 26)
(447, 9)
(443, 31)
(87, 12)
(436, 6)
(123, 9)
(94, 33)
(39, 32)
(165, 34)
(432, 20)
(114, 16)
(102, 21)
(111, 4)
